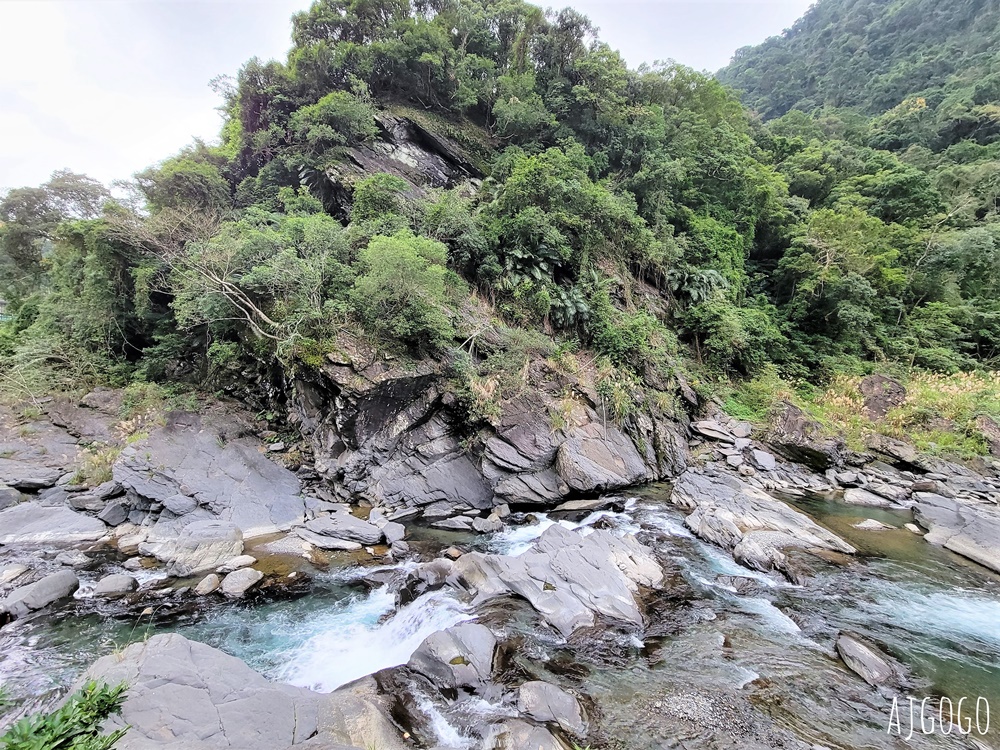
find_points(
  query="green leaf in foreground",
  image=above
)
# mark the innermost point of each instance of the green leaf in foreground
(74, 726)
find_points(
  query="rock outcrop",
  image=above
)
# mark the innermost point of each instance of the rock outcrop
(396, 437)
(458, 657)
(570, 579)
(184, 695)
(969, 530)
(758, 529)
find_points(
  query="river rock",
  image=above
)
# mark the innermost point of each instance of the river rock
(972, 531)
(24, 475)
(327, 542)
(196, 547)
(10, 573)
(394, 532)
(754, 526)
(459, 523)
(240, 561)
(458, 657)
(870, 524)
(490, 525)
(515, 734)
(239, 582)
(866, 661)
(208, 584)
(203, 470)
(858, 496)
(115, 586)
(881, 394)
(567, 577)
(33, 523)
(36, 595)
(546, 703)
(799, 438)
(346, 527)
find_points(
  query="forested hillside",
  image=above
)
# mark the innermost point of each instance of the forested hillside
(568, 202)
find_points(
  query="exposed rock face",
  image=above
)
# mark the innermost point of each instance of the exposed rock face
(201, 471)
(8, 497)
(391, 435)
(459, 657)
(33, 523)
(799, 438)
(754, 526)
(405, 149)
(546, 703)
(40, 594)
(972, 531)
(568, 578)
(881, 395)
(516, 734)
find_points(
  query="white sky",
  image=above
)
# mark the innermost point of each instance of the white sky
(108, 87)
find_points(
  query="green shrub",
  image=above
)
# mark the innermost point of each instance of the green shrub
(74, 726)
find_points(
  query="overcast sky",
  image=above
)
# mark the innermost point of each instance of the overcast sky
(108, 87)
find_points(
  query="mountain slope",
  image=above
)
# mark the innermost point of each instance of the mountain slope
(873, 54)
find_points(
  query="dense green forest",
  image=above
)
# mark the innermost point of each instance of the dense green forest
(646, 214)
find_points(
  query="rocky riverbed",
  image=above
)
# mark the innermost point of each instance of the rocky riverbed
(780, 592)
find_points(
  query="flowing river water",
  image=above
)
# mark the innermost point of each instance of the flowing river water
(712, 657)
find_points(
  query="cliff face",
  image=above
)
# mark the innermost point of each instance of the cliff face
(397, 437)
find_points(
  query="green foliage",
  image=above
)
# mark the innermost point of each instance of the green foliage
(400, 294)
(74, 726)
(338, 119)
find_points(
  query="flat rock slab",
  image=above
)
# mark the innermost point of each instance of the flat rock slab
(972, 531)
(33, 523)
(568, 578)
(195, 547)
(346, 527)
(24, 475)
(866, 661)
(754, 526)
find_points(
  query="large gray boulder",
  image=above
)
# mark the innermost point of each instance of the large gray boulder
(184, 695)
(599, 460)
(194, 547)
(346, 527)
(568, 578)
(969, 530)
(239, 582)
(758, 529)
(8, 497)
(547, 703)
(39, 594)
(516, 734)
(459, 657)
(25, 475)
(33, 523)
(867, 661)
(115, 586)
(208, 471)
